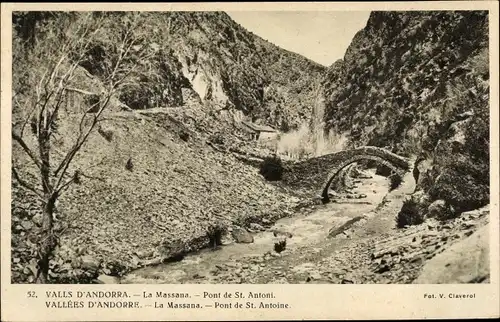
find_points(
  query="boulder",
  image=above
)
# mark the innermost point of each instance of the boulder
(438, 209)
(283, 233)
(37, 219)
(242, 236)
(142, 254)
(266, 221)
(257, 227)
(106, 279)
(466, 261)
(26, 225)
(90, 263)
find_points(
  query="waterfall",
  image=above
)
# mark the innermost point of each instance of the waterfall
(309, 140)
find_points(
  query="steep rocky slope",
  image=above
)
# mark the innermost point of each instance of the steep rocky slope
(173, 200)
(418, 83)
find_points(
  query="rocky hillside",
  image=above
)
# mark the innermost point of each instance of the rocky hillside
(418, 83)
(176, 195)
(206, 57)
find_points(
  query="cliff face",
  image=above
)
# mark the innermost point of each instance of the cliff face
(228, 65)
(417, 83)
(208, 57)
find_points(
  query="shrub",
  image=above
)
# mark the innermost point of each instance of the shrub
(129, 166)
(396, 181)
(271, 168)
(280, 246)
(215, 233)
(409, 214)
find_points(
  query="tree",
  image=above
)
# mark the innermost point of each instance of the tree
(47, 74)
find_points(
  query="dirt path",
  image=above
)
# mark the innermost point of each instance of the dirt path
(310, 255)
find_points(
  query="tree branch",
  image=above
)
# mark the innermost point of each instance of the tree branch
(65, 185)
(26, 149)
(25, 184)
(65, 164)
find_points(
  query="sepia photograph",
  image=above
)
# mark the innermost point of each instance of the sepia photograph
(250, 147)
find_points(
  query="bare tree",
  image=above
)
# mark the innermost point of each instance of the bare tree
(45, 76)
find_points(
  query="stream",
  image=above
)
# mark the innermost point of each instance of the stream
(310, 230)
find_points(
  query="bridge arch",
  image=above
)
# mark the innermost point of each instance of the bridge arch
(315, 175)
(347, 162)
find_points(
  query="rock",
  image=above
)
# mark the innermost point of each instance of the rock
(438, 209)
(255, 267)
(227, 240)
(27, 225)
(220, 267)
(18, 228)
(281, 232)
(144, 254)
(89, 263)
(37, 219)
(198, 276)
(106, 279)
(429, 234)
(468, 233)
(242, 236)
(315, 276)
(231, 264)
(468, 224)
(467, 261)
(154, 261)
(255, 226)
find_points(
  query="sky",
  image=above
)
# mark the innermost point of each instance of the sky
(322, 36)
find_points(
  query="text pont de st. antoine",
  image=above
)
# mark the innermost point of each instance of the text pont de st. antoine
(119, 299)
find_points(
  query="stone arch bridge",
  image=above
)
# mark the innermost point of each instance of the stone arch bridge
(314, 176)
